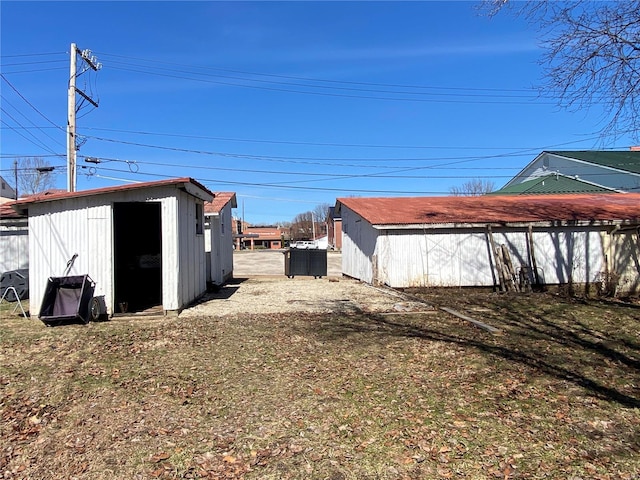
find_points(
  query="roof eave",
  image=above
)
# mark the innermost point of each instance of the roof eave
(517, 224)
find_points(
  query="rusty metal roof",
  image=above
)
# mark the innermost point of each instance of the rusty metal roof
(495, 209)
(220, 199)
(39, 198)
(7, 211)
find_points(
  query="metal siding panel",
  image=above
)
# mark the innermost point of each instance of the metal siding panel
(216, 250)
(562, 254)
(100, 245)
(462, 258)
(191, 252)
(170, 254)
(625, 261)
(14, 245)
(220, 245)
(358, 247)
(227, 242)
(54, 237)
(434, 258)
(84, 225)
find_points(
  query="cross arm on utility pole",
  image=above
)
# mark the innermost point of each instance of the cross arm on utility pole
(87, 98)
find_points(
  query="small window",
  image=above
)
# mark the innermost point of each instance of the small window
(199, 219)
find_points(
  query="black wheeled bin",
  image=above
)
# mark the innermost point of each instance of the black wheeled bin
(308, 262)
(66, 300)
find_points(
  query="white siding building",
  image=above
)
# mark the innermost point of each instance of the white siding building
(14, 240)
(142, 244)
(614, 170)
(219, 237)
(7, 192)
(447, 241)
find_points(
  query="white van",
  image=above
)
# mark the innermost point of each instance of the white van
(304, 244)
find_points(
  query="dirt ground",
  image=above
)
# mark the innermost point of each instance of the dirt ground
(260, 287)
(295, 379)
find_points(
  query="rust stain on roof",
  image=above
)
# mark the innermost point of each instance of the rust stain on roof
(7, 211)
(59, 195)
(495, 209)
(220, 199)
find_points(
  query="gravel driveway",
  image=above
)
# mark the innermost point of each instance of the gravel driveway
(260, 286)
(249, 264)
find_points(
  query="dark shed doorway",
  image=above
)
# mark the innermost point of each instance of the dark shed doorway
(138, 256)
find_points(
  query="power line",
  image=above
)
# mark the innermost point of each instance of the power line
(337, 95)
(35, 141)
(333, 176)
(29, 103)
(324, 160)
(460, 92)
(36, 70)
(3, 65)
(391, 85)
(287, 187)
(33, 54)
(493, 92)
(290, 142)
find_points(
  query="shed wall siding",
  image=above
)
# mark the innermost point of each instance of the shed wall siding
(192, 271)
(358, 246)
(84, 225)
(440, 258)
(219, 244)
(14, 245)
(170, 255)
(226, 242)
(57, 233)
(624, 258)
(462, 257)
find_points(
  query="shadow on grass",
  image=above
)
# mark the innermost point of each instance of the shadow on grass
(540, 342)
(221, 292)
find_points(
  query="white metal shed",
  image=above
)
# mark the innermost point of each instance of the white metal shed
(142, 244)
(447, 241)
(219, 237)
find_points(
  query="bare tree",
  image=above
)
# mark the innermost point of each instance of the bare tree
(302, 226)
(34, 175)
(472, 188)
(321, 212)
(305, 225)
(592, 56)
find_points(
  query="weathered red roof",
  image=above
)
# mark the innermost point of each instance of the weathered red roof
(220, 199)
(7, 211)
(59, 195)
(495, 209)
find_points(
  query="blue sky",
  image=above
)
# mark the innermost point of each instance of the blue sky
(288, 104)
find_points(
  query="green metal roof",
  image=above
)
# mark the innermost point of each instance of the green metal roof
(627, 160)
(552, 183)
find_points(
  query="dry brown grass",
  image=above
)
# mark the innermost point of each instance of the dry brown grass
(328, 396)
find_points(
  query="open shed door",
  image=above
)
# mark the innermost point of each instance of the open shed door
(138, 256)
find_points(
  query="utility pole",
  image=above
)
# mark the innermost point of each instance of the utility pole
(71, 122)
(15, 174)
(72, 148)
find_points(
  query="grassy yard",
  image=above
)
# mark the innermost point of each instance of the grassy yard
(389, 396)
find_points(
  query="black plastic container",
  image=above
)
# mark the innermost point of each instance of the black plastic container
(306, 262)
